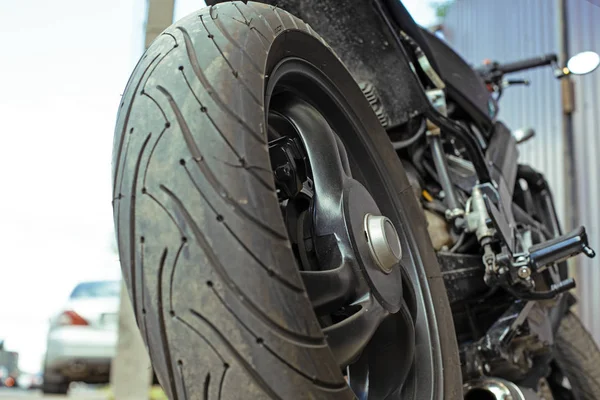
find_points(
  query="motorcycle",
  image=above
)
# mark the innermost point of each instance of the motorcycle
(339, 216)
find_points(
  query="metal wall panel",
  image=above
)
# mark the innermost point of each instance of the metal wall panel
(514, 29)
(583, 20)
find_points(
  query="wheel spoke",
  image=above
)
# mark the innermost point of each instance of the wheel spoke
(358, 377)
(393, 344)
(329, 290)
(325, 160)
(343, 156)
(349, 337)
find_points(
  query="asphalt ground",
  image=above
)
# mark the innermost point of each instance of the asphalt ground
(74, 394)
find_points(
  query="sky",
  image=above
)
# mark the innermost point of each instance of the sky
(63, 67)
(421, 10)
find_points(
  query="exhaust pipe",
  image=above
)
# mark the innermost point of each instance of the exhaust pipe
(491, 388)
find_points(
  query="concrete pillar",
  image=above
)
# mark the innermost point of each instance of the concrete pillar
(131, 372)
(160, 16)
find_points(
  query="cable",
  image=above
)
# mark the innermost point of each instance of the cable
(469, 141)
(459, 242)
(435, 205)
(431, 171)
(405, 143)
(522, 216)
(416, 159)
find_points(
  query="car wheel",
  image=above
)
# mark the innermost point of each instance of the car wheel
(55, 387)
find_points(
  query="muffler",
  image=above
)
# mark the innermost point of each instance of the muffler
(491, 388)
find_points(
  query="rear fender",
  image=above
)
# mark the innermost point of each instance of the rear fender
(357, 34)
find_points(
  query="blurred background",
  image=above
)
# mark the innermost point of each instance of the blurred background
(63, 67)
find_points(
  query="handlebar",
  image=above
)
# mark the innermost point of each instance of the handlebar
(535, 62)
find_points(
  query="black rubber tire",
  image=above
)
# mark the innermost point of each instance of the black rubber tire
(203, 247)
(55, 388)
(579, 358)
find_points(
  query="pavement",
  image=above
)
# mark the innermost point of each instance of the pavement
(77, 391)
(74, 394)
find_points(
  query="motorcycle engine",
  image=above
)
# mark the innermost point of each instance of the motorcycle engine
(438, 228)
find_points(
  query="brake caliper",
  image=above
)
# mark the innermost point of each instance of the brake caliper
(288, 163)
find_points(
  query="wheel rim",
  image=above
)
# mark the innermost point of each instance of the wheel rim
(368, 313)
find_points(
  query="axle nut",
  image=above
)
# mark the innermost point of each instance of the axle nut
(384, 243)
(524, 272)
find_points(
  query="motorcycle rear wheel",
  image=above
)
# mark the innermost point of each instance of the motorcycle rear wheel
(215, 285)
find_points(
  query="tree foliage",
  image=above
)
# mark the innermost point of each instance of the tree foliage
(442, 7)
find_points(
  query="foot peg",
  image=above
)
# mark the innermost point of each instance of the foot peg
(540, 255)
(559, 249)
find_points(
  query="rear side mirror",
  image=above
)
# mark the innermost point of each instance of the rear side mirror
(523, 135)
(583, 63)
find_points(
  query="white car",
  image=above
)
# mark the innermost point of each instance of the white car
(82, 337)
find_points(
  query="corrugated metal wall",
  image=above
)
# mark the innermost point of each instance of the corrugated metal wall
(510, 30)
(583, 20)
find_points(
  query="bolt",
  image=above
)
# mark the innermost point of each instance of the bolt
(524, 272)
(283, 172)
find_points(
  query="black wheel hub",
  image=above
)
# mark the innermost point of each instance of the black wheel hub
(347, 280)
(385, 286)
(348, 253)
(341, 203)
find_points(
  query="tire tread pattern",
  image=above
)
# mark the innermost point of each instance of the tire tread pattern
(182, 143)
